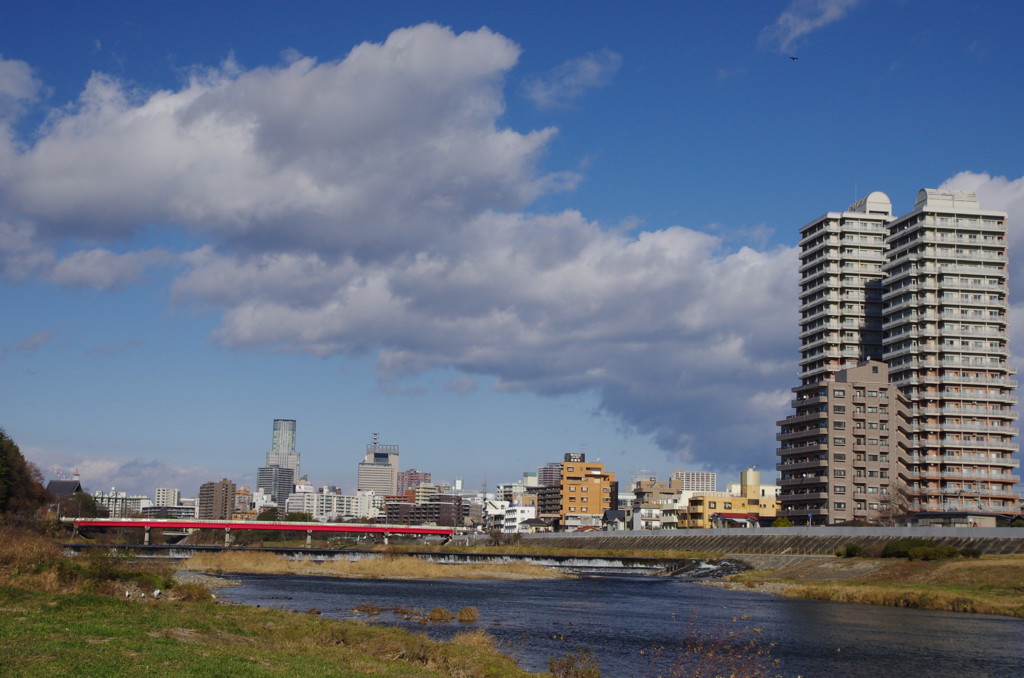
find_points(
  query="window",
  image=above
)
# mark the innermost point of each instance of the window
(839, 505)
(584, 488)
(839, 441)
(839, 408)
(839, 456)
(839, 424)
(712, 504)
(839, 393)
(840, 489)
(727, 505)
(839, 473)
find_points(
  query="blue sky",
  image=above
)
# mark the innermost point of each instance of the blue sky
(492, 232)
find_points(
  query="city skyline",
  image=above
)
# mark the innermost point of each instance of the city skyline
(492, 239)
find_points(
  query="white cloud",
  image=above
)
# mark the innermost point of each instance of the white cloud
(17, 87)
(565, 84)
(801, 18)
(104, 269)
(374, 206)
(99, 473)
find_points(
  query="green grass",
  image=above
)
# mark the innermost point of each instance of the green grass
(51, 634)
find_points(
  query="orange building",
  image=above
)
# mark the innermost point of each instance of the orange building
(587, 492)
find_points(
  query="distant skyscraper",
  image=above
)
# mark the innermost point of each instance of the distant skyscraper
(276, 481)
(282, 452)
(378, 471)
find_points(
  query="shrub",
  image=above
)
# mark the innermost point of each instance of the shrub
(901, 547)
(932, 552)
(851, 551)
(970, 552)
(782, 521)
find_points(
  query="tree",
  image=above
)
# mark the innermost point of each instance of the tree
(21, 483)
(900, 506)
(299, 517)
(268, 514)
(782, 521)
(81, 505)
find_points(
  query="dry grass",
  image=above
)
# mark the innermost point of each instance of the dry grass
(468, 614)
(989, 585)
(391, 567)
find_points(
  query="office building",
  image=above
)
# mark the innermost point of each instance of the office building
(378, 471)
(277, 481)
(925, 293)
(282, 450)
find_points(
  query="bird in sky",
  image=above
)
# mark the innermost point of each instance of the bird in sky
(792, 58)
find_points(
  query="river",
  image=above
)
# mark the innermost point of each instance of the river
(624, 617)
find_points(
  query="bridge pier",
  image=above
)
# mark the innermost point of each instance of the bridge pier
(309, 539)
(145, 538)
(227, 536)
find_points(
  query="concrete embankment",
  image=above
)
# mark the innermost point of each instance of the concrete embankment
(814, 541)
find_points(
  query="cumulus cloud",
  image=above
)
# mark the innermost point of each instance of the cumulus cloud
(18, 87)
(374, 206)
(563, 85)
(802, 17)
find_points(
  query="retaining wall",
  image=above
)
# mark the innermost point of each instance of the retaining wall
(783, 540)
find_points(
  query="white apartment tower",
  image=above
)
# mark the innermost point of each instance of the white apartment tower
(841, 257)
(927, 294)
(282, 450)
(945, 340)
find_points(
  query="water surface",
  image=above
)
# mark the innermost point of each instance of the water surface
(622, 618)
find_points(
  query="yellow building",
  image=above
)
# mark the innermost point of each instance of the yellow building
(746, 498)
(587, 491)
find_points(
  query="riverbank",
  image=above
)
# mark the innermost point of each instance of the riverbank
(104, 614)
(987, 585)
(388, 565)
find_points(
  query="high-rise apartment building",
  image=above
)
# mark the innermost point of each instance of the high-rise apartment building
(695, 481)
(412, 479)
(842, 451)
(378, 471)
(927, 294)
(216, 500)
(282, 450)
(166, 496)
(945, 340)
(549, 475)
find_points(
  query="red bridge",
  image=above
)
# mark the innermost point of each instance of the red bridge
(228, 525)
